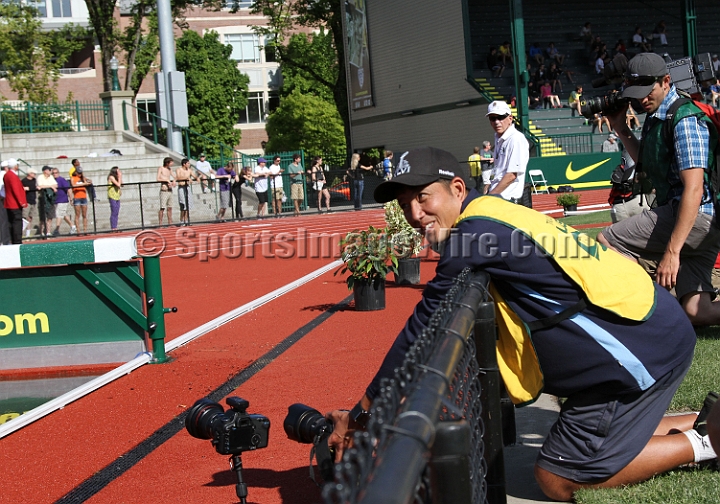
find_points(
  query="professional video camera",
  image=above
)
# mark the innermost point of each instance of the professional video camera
(232, 432)
(304, 424)
(687, 75)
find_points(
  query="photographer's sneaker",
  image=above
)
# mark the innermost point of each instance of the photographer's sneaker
(73, 230)
(700, 424)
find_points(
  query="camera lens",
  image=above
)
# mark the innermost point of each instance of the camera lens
(200, 418)
(303, 423)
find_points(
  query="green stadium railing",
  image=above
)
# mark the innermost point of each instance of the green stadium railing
(55, 117)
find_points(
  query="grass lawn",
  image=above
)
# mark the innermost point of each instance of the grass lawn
(692, 486)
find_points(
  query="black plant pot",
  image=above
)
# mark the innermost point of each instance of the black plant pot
(408, 271)
(570, 208)
(369, 295)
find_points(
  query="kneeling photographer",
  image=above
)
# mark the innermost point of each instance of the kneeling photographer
(681, 228)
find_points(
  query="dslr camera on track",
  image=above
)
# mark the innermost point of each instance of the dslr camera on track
(687, 74)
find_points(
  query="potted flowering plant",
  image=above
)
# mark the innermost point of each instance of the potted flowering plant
(568, 201)
(368, 257)
(406, 242)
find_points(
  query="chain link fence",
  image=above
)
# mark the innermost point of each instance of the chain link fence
(426, 441)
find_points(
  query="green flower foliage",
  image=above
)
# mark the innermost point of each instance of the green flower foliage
(368, 255)
(305, 122)
(406, 240)
(216, 89)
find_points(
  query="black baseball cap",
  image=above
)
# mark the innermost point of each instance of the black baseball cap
(419, 167)
(642, 73)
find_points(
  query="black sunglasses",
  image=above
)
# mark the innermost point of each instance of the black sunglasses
(641, 80)
(498, 117)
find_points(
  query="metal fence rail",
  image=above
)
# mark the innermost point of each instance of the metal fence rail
(140, 204)
(424, 442)
(55, 117)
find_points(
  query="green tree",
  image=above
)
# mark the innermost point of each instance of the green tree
(284, 17)
(31, 57)
(303, 121)
(216, 89)
(139, 40)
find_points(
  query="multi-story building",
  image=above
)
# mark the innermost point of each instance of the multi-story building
(82, 75)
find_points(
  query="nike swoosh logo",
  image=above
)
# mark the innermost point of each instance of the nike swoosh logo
(571, 174)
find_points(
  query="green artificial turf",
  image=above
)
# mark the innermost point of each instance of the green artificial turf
(589, 218)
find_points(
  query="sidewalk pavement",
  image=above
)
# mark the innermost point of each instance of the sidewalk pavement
(533, 423)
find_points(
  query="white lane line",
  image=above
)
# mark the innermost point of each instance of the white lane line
(60, 402)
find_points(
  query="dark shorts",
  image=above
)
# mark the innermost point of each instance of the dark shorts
(596, 435)
(646, 235)
(262, 197)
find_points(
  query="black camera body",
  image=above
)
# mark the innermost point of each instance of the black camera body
(233, 431)
(687, 75)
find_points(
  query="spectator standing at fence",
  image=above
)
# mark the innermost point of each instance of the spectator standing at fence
(4, 227)
(29, 182)
(610, 145)
(184, 177)
(512, 153)
(317, 175)
(47, 190)
(616, 355)
(15, 201)
(261, 175)
(225, 175)
(476, 168)
(80, 198)
(62, 201)
(166, 177)
(356, 172)
(243, 176)
(90, 188)
(114, 191)
(277, 186)
(206, 172)
(387, 164)
(488, 165)
(297, 191)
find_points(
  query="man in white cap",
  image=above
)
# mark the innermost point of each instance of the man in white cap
(4, 230)
(610, 145)
(512, 153)
(681, 231)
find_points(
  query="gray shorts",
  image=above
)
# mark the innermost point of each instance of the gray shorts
(224, 199)
(596, 435)
(646, 235)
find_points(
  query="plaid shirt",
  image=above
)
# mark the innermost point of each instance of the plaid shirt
(692, 146)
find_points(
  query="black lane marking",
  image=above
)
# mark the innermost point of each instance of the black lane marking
(95, 483)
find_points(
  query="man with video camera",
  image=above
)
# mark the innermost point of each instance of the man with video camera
(681, 231)
(616, 354)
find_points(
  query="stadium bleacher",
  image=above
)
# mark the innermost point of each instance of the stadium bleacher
(560, 21)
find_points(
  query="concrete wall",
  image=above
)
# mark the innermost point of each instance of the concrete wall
(418, 64)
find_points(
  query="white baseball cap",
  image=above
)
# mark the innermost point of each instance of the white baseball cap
(498, 108)
(4, 164)
(12, 162)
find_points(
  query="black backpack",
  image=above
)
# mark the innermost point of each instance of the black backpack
(623, 180)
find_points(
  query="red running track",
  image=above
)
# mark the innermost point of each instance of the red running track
(328, 368)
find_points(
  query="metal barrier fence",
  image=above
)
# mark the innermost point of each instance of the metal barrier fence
(140, 204)
(576, 143)
(55, 117)
(435, 431)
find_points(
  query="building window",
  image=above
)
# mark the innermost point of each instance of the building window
(61, 8)
(241, 4)
(273, 101)
(254, 113)
(245, 47)
(144, 109)
(41, 6)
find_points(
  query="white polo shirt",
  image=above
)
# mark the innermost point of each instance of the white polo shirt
(512, 152)
(261, 184)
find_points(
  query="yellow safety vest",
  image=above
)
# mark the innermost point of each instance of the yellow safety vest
(600, 273)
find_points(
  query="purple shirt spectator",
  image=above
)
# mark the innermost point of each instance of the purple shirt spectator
(63, 186)
(224, 183)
